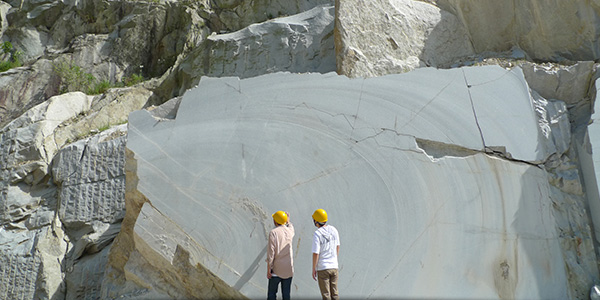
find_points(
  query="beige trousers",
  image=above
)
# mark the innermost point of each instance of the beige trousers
(328, 280)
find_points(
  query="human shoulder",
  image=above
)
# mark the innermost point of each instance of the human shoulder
(273, 232)
(317, 233)
(322, 231)
(332, 230)
(282, 228)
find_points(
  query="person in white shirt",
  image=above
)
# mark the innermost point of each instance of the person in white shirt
(325, 249)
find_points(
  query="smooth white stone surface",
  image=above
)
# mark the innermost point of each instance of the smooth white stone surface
(457, 224)
(590, 158)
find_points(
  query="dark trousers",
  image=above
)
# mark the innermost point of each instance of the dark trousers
(286, 285)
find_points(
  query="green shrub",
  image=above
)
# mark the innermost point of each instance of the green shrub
(7, 65)
(72, 78)
(15, 57)
(7, 47)
(103, 128)
(100, 87)
(133, 79)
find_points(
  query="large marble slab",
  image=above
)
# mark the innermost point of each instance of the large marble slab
(589, 152)
(397, 161)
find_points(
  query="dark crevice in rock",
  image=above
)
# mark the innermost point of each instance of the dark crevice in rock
(439, 149)
(473, 108)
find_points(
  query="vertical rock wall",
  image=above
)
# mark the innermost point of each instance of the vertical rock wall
(91, 180)
(546, 30)
(407, 34)
(299, 43)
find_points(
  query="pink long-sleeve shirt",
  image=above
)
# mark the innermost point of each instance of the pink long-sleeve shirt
(279, 251)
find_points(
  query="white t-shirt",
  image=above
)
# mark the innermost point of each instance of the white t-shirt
(325, 242)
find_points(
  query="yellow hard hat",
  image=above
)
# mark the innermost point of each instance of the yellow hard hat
(320, 215)
(280, 217)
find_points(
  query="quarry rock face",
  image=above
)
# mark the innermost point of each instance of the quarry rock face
(454, 149)
(298, 44)
(496, 26)
(25, 87)
(109, 40)
(233, 15)
(422, 168)
(408, 34)
(412, 34)
(592, 154)
(90, 180)
(59, 206)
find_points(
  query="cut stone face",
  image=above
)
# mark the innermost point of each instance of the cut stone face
(590, 157)
(396, 161)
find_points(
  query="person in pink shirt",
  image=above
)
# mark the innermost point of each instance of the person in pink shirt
(280, 263)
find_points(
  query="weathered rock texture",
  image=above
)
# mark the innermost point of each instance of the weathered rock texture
(411, 34)
(233, 15)
(300, 43)
(25, 87)
(408, 34)
(31, 263)
(60, 205)
(107, 39)
(487, 174)
(572, 33)
(91, 185)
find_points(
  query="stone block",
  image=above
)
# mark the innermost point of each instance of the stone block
(299, 43)
(91, 177)
(402, 164)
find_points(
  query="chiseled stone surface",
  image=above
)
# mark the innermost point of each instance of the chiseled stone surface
(460, 169)
(31, 263)
(91, 177)
(27, 147)
(91, 189)
(85, 280)
(398, 161)
(590, 151)
(299, 43)
(90, 184)
(231, 15)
